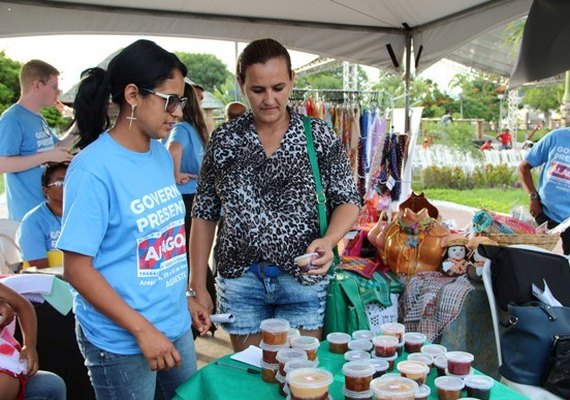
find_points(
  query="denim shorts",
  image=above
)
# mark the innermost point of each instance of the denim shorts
(122, 377)
(251, 300)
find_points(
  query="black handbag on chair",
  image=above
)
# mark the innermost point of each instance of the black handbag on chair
(528, 339)
(557, 377)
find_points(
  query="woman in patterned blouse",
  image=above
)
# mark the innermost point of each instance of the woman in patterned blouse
(256, 172)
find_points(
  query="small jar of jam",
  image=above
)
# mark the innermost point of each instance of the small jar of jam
(308, 343)
(385, 346)
(356, 355)
(479, 386)
(274, 331)
(269, 372)
(449, 388)
(338, 342)
(459, 362)
(360, 344)
(413, 342)
(357, 375)
(421, 357)
(287, 354)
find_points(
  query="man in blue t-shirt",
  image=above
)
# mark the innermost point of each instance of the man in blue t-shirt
(41, 226)
(26, 141)
(551, 202)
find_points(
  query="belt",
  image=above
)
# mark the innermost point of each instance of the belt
(264, 270)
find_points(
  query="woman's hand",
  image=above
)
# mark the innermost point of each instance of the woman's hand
(205, 300)
(31, 356)
(183, 177)
(158, 350)
(200, 316)
(7, 314)
(322, 263)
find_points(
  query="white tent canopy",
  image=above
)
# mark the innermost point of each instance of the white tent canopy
(370, 32)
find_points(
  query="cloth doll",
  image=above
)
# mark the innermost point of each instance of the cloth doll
(454, 255)
(475, 260)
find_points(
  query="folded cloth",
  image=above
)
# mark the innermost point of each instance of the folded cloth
(432, 301)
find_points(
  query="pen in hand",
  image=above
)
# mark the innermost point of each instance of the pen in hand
(247, 369)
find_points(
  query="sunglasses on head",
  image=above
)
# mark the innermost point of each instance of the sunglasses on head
(58, 183)
(172, 102)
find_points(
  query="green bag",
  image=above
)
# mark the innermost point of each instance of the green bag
(348, 292)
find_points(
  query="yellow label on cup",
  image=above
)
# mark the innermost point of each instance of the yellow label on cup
(55, 258)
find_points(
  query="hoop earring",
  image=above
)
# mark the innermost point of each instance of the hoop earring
(132, 116)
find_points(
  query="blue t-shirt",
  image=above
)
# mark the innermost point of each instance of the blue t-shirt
(192, 153)
(38, 232)
(553, 153)
(24, 133)
(123, 209)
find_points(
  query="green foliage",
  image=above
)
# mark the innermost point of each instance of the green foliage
(9, 81)
(456, 134)
(478, 95)
(498, 200)
(205, 69)
(226, 93)
(55, 119)
(544, 98)
(489, 176)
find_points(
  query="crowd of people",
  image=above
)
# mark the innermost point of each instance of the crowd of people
(134, 205)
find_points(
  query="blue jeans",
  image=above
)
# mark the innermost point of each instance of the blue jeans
(252, 300)
(45, 386)
(122, 377)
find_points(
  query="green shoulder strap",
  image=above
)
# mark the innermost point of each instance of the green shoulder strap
(320, 193)
(321, 197)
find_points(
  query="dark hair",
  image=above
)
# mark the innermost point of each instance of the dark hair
(142, 63)
(50, 170)
(192, 113)
(259, 52)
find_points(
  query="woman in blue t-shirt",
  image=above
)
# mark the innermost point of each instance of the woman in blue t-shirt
(123, 230)
(186, 146)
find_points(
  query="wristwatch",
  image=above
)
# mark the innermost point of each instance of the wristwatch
(190, 292)
(534, 196)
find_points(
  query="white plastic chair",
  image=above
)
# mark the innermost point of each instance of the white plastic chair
(533, 392)
(10, 253)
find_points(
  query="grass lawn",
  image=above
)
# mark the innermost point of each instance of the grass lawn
(498, 200)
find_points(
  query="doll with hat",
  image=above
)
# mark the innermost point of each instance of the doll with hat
(475, 260)
(454, 255)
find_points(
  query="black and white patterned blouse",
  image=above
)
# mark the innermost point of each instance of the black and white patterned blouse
(269, 204)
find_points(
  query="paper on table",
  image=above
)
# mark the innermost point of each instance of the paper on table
(222, 318)
(252, 356)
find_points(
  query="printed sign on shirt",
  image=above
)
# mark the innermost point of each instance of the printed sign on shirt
(161, 250)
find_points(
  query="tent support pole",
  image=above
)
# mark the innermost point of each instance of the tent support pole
(407, 80)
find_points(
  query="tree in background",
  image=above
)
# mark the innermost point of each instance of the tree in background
(544, 98)
(9, 81)
(205, 69)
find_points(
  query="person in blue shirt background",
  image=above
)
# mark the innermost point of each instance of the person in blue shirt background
(123, 230)
(26, 141)
(186, 144)
(549, 203)
(40, 227)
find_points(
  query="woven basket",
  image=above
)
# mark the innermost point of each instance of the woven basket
(547, 242)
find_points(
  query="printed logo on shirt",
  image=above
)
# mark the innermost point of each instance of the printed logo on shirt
(161, 250)
(44, 138)
(560, 172)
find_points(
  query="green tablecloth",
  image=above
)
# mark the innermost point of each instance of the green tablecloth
(215, 382)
